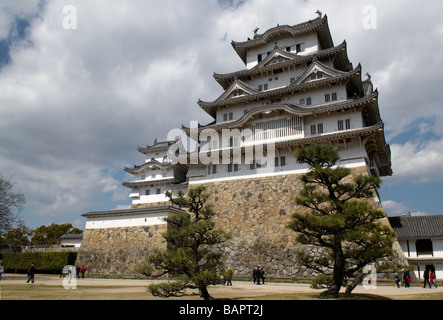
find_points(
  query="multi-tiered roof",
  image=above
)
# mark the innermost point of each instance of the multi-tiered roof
(328, 60)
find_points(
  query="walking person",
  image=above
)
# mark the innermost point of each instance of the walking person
(397, 280)
(228, 275)
(432, 277)
(31, 273)
(426, 278)
(83, 270)
(254, 274)
(262, 275)
(258, 275)
(1, 270)
(406, 279)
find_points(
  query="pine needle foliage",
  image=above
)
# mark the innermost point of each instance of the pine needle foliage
(339, 219)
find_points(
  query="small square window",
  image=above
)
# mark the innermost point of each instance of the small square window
(282, 161)
(313, 129)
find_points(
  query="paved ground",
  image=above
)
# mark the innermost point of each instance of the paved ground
(241, 288)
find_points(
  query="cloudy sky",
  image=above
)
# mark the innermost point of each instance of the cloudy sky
(83, 83)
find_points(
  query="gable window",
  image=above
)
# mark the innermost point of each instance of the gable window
(259, 57)
(308, 101)
(316, 76)
(320, 128)
(348, 124)
(327, 97)
(288, 49)
(298, 47)
(302, 101)
(334, 96)
(340, 125)
(147, 192)
(158, 191)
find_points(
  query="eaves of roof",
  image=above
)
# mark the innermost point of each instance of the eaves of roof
(319, 24)
(226, 79)
(132, 211)
(292, 88)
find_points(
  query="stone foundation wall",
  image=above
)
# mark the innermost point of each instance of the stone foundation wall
(255, 212)
(119, 251)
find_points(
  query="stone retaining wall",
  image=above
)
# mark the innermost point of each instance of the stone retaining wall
(256, 213)
(119, 251)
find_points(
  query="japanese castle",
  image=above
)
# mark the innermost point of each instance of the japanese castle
(297, 88)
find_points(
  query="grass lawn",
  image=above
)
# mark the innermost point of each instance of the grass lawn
(109, 292)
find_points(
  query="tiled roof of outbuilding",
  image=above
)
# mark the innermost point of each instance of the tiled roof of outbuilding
(417, 227)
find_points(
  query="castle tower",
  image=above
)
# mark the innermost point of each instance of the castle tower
(155, 176)
(297, 89)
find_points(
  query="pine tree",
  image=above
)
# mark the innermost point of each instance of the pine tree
(189, 255)
(339, 219)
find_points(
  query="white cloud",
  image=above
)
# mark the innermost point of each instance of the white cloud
(394, 208)
(418, 162)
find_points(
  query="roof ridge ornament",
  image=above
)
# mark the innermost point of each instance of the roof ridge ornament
(255, 32)
(319, 13)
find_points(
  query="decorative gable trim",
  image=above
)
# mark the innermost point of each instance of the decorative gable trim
(314, 70)
(236, 89)
(276, 56)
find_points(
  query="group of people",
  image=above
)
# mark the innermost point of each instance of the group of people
(31, 272)
(404, 280)
(258, 274)
(429, 277)
(67, 271)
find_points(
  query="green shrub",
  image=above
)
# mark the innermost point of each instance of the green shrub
(322, 281)
(45, 262)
